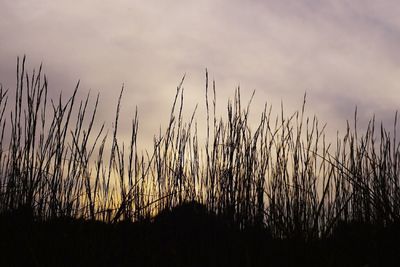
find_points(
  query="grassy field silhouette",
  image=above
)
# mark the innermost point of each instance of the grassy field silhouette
(274, 195)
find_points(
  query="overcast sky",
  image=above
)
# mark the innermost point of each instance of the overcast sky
(342, 53)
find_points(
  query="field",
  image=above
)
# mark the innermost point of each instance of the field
(278, 194)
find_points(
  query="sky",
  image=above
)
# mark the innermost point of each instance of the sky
(343, 54)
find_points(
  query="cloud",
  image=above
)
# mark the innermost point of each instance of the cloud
(343, 53)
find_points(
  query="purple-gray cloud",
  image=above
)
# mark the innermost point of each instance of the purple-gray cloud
(343, 53)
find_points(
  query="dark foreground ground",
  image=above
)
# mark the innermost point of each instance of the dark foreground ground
(186, 237)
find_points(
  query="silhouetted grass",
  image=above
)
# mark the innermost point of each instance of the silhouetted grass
(280, 178)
